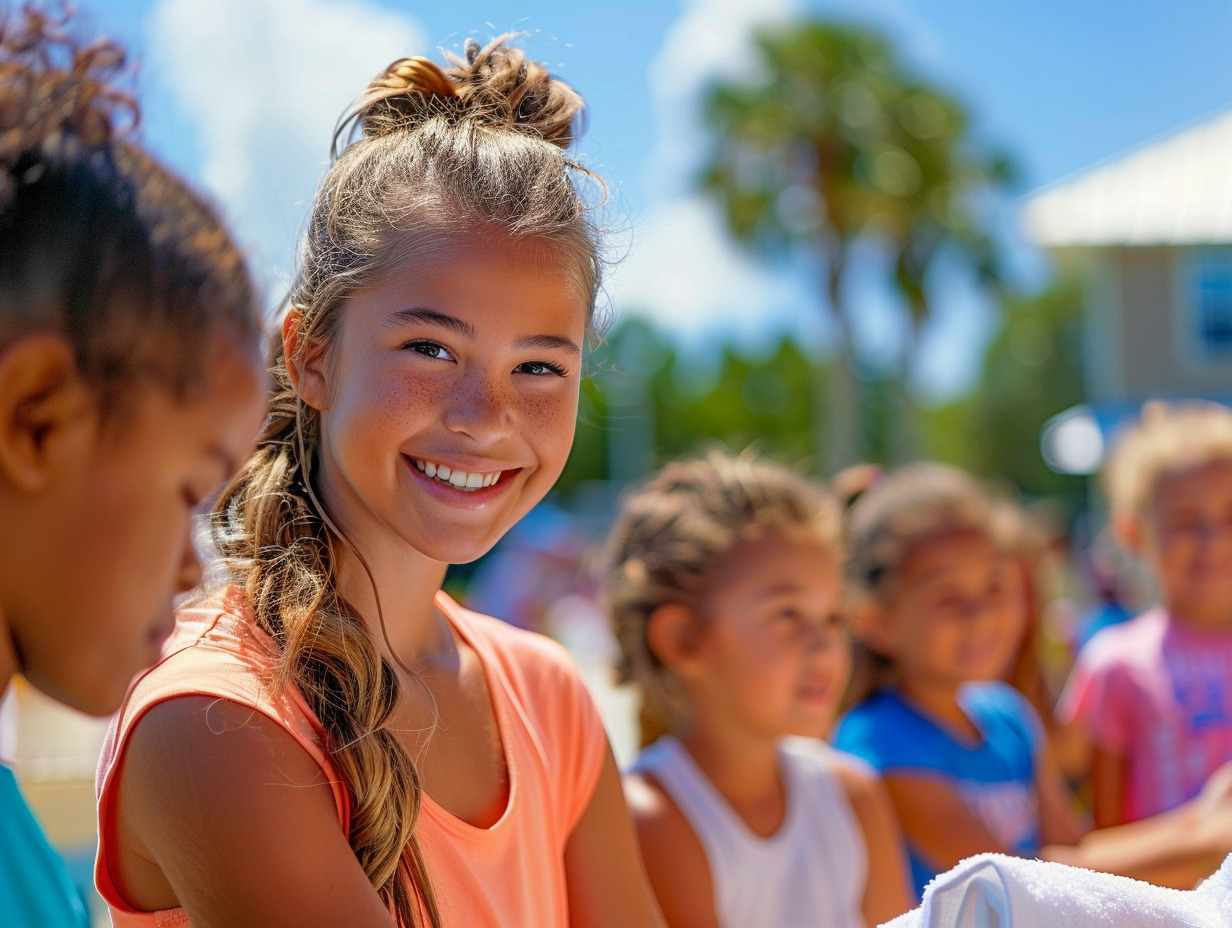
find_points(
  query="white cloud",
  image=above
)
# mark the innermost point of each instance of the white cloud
(264, 82)
(682, 269)
(686, 274)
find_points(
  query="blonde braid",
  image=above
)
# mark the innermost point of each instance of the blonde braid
(280, 547)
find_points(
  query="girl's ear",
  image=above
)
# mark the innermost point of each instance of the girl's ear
(42, 398)
(305, 361)
(868, 624)
(1128, 530)
(672, 636)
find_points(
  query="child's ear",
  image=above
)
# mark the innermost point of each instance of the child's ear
(672, 636)
(868, 624)
(305, 361)
(1128, 530)
(42, 397)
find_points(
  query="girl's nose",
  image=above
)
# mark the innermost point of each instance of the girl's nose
(479, 409)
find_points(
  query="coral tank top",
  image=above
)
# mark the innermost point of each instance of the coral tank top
(511, 873)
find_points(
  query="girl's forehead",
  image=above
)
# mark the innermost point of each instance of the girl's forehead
(757, 564)
(949, 551)
(475, 283)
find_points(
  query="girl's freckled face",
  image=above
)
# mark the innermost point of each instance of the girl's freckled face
(464, 364)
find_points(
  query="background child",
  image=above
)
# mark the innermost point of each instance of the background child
(130, 385)
(332, 740)
(963, 755)
(1155, 693)
(725, 592)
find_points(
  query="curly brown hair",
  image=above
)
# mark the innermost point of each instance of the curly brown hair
(98, 241)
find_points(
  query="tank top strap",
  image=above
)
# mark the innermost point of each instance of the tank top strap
(724, 838)
(811, 768)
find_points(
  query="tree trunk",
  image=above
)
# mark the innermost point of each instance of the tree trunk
(904, 438)
(844, 432)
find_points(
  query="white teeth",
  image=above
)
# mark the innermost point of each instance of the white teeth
(463, 480)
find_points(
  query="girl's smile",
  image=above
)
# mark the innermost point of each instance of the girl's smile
(449, 397)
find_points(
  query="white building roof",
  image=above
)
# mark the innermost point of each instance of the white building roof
(1177, 191)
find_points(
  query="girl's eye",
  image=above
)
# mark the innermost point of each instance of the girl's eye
(541, 369)
(429, 350)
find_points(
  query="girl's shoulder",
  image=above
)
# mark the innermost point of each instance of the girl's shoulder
(883, 711)
(530, 661)
(996, 699)
(816, 756)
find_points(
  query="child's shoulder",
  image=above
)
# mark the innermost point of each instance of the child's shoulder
(656, 816)
(1139, 640)
(853, 775)
(872, 714)
(539, 669)
(502, 639)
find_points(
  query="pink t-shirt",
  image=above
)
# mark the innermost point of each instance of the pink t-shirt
(1159, 693)
(509, 874)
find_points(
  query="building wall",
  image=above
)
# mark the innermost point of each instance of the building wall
(1140, 328)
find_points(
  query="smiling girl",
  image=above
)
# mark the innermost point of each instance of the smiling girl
(331, 740)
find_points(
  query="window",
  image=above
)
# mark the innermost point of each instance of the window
(1209, 288)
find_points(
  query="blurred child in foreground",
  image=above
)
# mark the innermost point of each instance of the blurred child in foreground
(130, 386)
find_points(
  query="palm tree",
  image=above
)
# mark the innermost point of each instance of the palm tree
(832, 144)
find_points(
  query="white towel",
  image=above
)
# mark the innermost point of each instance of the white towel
(995, 891)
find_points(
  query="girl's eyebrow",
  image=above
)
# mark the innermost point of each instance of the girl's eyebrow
(782, 588)
(434, 317)
(549, 343)
(431, 317)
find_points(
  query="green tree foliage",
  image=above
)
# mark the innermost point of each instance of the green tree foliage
(647, 402)
(1031, 372)
(837, 142)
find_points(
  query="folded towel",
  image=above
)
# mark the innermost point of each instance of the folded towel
(995, 891)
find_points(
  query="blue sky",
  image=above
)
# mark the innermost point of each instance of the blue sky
(241, 95)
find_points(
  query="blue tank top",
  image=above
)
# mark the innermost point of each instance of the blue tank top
(35, 888)
(995, 776)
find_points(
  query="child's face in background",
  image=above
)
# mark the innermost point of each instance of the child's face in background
(773, 650)
(114, 546)
(953, 612)
(462, 366)
(1187, 542)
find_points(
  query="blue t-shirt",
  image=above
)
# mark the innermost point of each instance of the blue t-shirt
(35, 888)
(995, 776)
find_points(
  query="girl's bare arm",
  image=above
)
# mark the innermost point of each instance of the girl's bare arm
(887, 893)
(1107, 788)
(675, 860)
(937, 821)
(223, 813)
(607, 883)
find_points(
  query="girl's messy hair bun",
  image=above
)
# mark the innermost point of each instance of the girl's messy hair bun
(54, 92)
(494, 85)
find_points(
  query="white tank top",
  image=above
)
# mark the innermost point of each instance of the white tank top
(809, 874)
